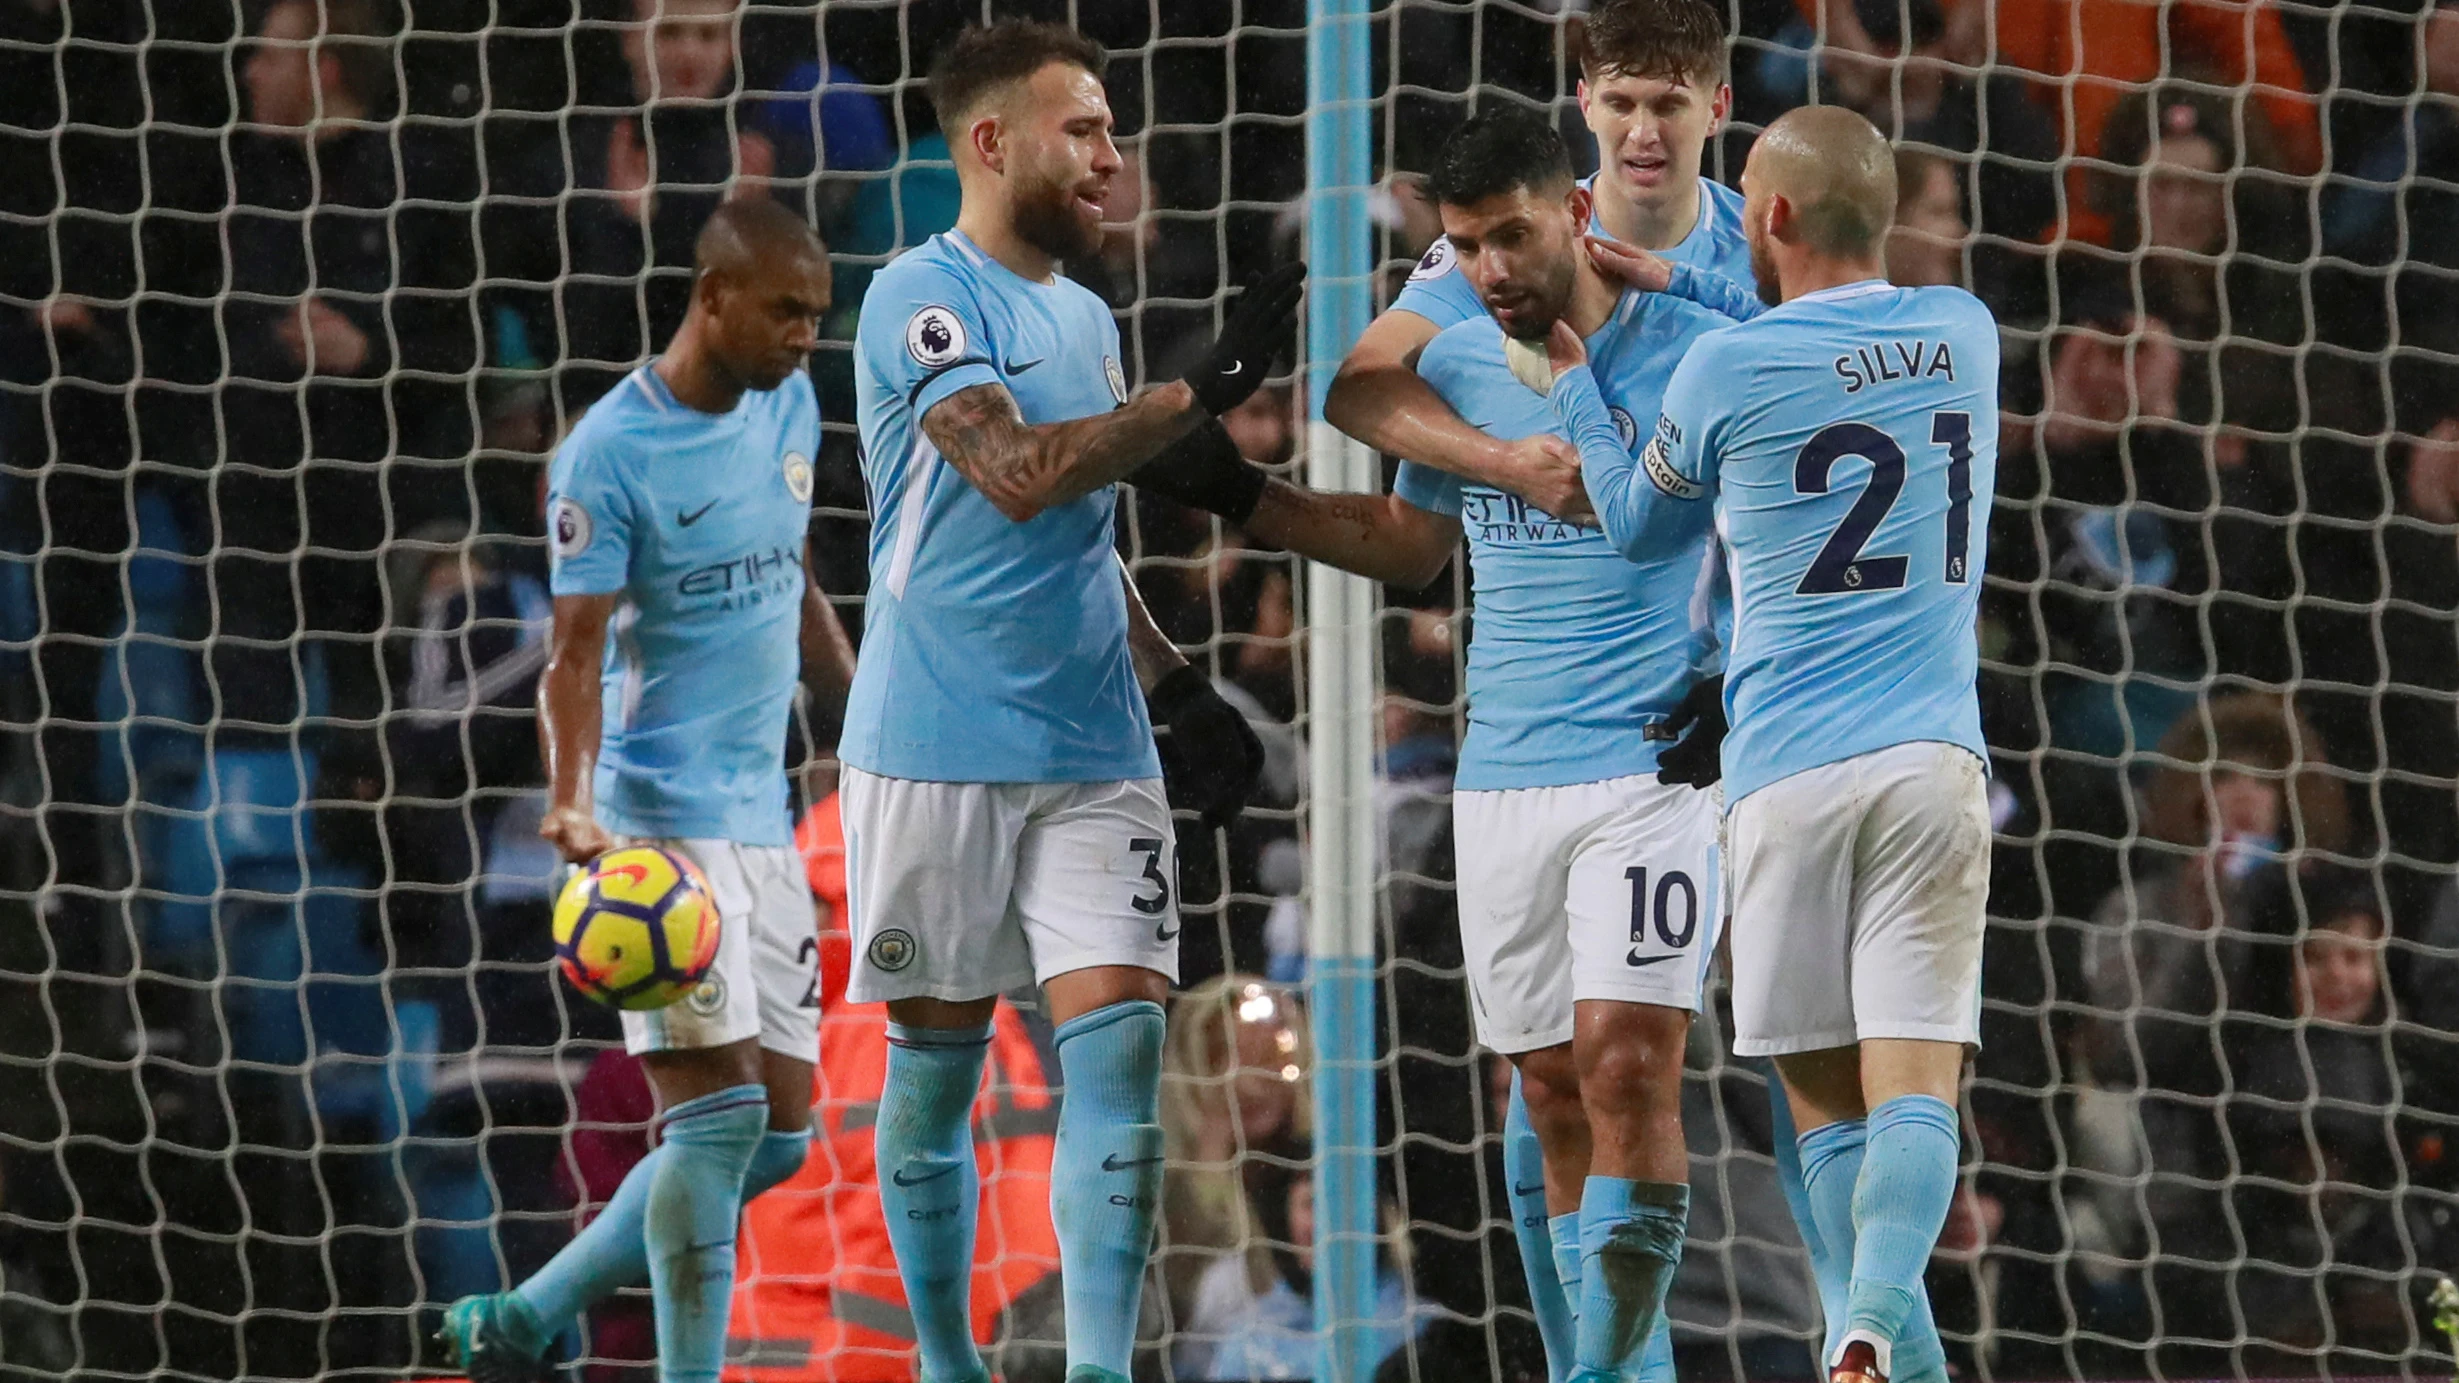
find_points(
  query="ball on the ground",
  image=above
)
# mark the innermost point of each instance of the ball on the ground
(637, 929)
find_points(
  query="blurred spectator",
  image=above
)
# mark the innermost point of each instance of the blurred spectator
(2085, 56)
(2318, 1120)
(2206, 249)
(2104, 538)
(2241, 785)
(1235, 1077)
(600, 241)
(1925, 247)
(323, 261)
(1254, 1315)
(1899, 64)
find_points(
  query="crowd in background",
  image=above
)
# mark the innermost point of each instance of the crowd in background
(295, 297)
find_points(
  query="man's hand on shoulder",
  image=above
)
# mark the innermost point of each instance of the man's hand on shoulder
(1641, 269)
(575, 834)
(1211, 759)
(1545, 470)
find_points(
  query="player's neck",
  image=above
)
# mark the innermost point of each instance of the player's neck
(1659, 224)
(1592, 297)
(692, 376)
(1808, 273)
(996, 236)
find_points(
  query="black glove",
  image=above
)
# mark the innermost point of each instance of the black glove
(1210, 757)
(1258, 328)
(1698, 761)
(1204, 469)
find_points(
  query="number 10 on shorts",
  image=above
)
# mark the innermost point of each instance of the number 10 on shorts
(1671, 906)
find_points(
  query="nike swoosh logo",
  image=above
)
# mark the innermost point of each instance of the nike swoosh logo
(1165, 933)
(1235, 367)
(898, 1176)
(1018, 367)
(1635, 959)
(687, 520)
(1113, 1164)
(1537, 1190)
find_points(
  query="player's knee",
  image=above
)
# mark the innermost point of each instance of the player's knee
(1550, 1086)
(1630, 1058)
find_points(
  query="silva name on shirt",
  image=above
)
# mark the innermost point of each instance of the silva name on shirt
(1883, 362)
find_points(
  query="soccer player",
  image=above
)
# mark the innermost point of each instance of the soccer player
(677, 513)
(1589, 902)
(1652, 90)
(1848, 437)
(1004, 812)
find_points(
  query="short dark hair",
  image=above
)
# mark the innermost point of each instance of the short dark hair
(1654, 38)
(984, 58)
(1502, 148)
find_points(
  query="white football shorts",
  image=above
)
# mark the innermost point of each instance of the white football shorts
(1604, 890)
(1860, 890)
(961, 891)
(765, 982)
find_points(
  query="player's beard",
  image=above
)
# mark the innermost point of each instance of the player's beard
(1545, 303)
(1046, 219)
(1763, 268)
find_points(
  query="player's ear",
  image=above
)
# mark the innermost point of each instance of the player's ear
(1720, 108)
(1779, 216)
(1581, 203)
(984, 136)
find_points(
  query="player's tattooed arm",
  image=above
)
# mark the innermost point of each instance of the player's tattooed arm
(1023, 468)
(1148, 649)
(828, 655)
(1379, 536)
(1378, 399)
(570, 711)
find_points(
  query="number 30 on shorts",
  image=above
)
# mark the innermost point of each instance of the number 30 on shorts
(1673, 903)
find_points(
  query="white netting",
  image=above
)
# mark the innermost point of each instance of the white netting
(283, 1067)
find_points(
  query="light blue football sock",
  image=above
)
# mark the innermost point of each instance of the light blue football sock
(1542, 1261)
(1631, 1236)
(1828, 1271)
(612, 1251)
(695, 1195)
(1564, 1231)
(1832, 1159)
(1899, 1203)
(779, 1156)
(1105, 1177)
(931, 1188)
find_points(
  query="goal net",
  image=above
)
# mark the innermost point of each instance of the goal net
(300, 295)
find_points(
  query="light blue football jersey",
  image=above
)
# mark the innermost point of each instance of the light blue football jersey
(992, 651)
(1440, 293)
(1576, 648)
(698, 520)
(1850, 441)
